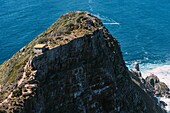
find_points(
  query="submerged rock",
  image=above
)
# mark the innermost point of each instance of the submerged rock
(83, 71)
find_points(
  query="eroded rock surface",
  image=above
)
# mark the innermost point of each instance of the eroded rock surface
(156, 86)
(152, 80)
(83, 71)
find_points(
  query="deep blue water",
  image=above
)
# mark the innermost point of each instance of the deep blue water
(143, 29)
(141, 26)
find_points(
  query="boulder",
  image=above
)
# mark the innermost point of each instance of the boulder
(162, 88)
(152, 80)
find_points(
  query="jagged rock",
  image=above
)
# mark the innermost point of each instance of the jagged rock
(154, 85)
(137, 66)
(162, 88)
(163, 104)
(83, 71)
(157, 93)
(167, 95)
(152, 80)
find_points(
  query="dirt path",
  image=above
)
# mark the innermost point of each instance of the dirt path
(21, 80)
(23, 75)
(19, 83)
(6, 100)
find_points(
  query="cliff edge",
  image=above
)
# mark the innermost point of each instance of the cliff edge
(80, 70)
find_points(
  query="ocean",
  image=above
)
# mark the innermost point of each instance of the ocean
(141, 27)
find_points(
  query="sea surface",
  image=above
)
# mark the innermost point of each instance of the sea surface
(141, 26)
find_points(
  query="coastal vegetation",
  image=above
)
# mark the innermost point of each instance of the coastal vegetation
(72, 25)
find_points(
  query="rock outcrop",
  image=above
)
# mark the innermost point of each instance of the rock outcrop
(83, 71)
(151, 84)
(156, 86)
(152, 80)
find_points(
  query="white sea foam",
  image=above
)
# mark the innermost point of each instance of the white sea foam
(107, 21)
(160, 70)
(112, 23)
(98, 16)
(89, 1)
(90, 6)
(167, 101)
(163, 73)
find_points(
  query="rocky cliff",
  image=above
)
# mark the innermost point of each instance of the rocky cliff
(82, 71)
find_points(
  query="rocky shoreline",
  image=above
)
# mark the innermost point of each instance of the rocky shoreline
(152, 85)
(82, 71)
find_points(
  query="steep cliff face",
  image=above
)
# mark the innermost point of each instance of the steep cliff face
(83, 71)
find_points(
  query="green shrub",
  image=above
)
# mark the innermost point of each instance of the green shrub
(42, 40)
(2, 111)
(17, 92)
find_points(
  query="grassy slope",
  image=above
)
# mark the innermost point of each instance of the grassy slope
(67, 25)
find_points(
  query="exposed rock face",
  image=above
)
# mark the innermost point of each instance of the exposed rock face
(151, 85)
(156, 86)
(83, 71)
(161, 87)
(152, 80)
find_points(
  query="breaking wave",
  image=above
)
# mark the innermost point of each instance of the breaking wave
(162, 70)
(106, 20)
(112, 23)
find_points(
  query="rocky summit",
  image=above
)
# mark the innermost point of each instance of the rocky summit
(75, 66)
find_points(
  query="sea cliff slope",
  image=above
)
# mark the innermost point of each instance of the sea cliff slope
(81, 70)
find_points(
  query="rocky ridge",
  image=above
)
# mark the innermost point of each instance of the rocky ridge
(151, 84)
(82, 71)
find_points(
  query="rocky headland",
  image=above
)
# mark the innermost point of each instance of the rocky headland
(152, 85)
(81, 70)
